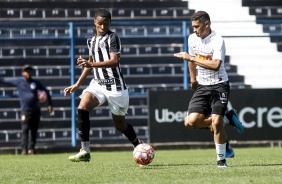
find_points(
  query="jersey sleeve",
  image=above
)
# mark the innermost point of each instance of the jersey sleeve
(219, 49)
(115, 44)
(190, 45)
(89, 45)
(10, 81)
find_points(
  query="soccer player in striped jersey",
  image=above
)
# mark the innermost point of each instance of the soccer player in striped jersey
(210, 81)
(107, 85)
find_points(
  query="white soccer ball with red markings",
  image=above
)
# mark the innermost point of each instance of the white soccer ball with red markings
(143, 154)
(42, 96)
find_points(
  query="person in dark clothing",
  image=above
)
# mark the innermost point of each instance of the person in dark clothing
(30, 106)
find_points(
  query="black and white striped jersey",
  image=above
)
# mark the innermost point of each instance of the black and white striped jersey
(100, 49)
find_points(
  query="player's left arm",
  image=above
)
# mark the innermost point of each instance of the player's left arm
(49, 98)
(112, 61)
(212, 64)
(218, 47)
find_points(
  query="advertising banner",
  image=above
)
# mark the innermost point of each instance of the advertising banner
(260, 111)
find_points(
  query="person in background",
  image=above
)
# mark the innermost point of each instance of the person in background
(209, 79)
(28, 89)
(108, 84)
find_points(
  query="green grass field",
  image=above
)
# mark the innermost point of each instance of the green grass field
(250, 165)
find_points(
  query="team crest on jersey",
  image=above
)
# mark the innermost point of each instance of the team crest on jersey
(102, 45)
(32, 85)
(208, 49)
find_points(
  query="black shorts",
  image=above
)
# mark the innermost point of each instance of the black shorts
(210, 99)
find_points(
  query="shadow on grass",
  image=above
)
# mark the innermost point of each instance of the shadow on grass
(264, 165)
(171, 165)
(163, 166)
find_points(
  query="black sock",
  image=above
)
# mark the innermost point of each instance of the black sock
(83, 124)
(131, 135)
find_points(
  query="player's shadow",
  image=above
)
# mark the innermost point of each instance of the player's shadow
(265, 165)
(159, 166)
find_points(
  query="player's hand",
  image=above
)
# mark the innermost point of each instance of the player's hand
(81, 62)
(70, 89)
(194, 85)
(50, 108)
(184, 55)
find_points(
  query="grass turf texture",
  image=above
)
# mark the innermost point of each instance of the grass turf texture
(250, 165)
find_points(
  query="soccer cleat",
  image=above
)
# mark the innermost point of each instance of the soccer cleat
(139, 142)
(82, 156)
(234, 121)
(221, 163)
(229, 152)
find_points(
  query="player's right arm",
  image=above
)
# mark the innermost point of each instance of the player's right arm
(10, 81)
(192, 73)
(80, 80)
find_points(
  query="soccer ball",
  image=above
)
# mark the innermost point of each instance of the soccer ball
(42, 96)
(143, 154)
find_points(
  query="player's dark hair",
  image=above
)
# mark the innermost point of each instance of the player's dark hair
(201, 16)
(103, 13)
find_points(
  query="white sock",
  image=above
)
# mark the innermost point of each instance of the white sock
(220, 151)
(85, 145)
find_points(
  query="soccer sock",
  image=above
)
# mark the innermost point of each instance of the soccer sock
(227, 145)
(131, 135)
(85, 145)
(83, 125)
(220, 151)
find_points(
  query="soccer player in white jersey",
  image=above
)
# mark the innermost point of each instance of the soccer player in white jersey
(209, 79)
(108, 84)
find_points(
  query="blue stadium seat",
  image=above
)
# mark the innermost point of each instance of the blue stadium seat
(32, 13)
(136, 31)
(164, 13)
(59, 51)
(143, 13)
(129, 50)
(12, 52)
(78, 13)
(272, 28)
(55, 13)
(121, 13)
(262, 11)
(9, 13)
(35, 52)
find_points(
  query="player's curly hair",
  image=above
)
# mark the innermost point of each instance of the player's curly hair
(103, 13)
(201, 16)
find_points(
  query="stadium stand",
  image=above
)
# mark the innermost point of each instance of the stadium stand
(269, 14)
(264, 10)
(147, 61)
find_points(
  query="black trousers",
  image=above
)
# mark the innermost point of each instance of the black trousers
(30, 123)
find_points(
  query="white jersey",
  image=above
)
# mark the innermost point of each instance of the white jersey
(211, 47)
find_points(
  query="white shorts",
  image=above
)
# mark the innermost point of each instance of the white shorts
(118, 101)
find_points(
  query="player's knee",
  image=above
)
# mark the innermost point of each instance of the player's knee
(217, 127)
(189, 123)
(119, 122)
(193, 120)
